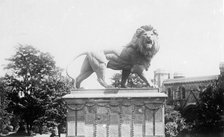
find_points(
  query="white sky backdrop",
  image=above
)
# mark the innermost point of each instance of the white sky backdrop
(191, 32)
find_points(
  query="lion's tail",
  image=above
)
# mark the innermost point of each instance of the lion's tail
(73, 80)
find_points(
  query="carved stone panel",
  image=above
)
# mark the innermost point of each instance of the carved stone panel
(71, 127)
(89, 130)
(89, 118)
(149, 122)
(126, 121)
(116, 117)
(158, 115)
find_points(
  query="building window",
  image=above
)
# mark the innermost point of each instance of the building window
(169, 93)
(178, 94)
(1, 99)
(183, 93)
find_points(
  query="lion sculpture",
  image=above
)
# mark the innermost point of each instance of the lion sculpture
(135, 57)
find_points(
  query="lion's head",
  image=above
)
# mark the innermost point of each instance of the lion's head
(145, 41)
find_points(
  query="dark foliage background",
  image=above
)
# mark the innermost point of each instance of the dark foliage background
(210, 109)
(35, 90)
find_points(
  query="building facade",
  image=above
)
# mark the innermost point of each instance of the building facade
(184, 92)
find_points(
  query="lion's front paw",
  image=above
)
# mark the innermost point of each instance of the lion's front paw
(110, 86)
(154, 86)
(124, 86)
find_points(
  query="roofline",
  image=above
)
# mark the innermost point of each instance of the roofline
(191, 79)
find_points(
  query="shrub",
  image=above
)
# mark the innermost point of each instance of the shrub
(174, 122)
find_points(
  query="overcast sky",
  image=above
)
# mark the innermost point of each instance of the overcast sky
(191, 32)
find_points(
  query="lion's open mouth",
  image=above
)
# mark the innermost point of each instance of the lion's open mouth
(149, 44)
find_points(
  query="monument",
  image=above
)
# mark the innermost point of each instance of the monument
(135, 57)
(115, 113)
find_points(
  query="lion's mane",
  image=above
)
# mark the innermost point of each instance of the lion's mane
(137, 39)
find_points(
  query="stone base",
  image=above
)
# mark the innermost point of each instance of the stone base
(115, 113)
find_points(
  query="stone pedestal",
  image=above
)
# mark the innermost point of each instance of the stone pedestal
(115, 113)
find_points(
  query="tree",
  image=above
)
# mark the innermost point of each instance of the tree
(174, 122)
(210, 109)
(55, 115)
(4, 115)
(29, 74)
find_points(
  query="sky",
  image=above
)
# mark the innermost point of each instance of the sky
(190, 31)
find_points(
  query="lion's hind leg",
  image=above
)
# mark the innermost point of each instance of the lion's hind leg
(100, 72)
(86, 71)
(98, 61)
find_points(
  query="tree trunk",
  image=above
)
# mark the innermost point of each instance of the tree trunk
(28, 128)
(22, 128)
(59, 130)
(40, 130)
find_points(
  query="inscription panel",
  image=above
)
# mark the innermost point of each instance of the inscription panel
(139, 119)
(89, 130)
(126, 121)
(101, 130)
(149, 115)
(89, 118)
(114, 119)
(71, 127)
(102, 118)
(138, 130)
(158, 115)
(159, 130)
(149, 128)
(148, 122)
(113, 131)
(81, 122)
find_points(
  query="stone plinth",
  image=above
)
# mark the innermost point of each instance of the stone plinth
(115, 113)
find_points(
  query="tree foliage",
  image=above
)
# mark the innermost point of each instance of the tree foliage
(55, 115)
(4, 115)
(35, 82)
(210, 110)
(174, 122)
(133, 81)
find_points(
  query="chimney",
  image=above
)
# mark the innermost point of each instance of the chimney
(221, 68)
(178, 75)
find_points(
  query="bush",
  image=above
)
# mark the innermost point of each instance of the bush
(174, 122)
(5, 131)
(9, 128)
